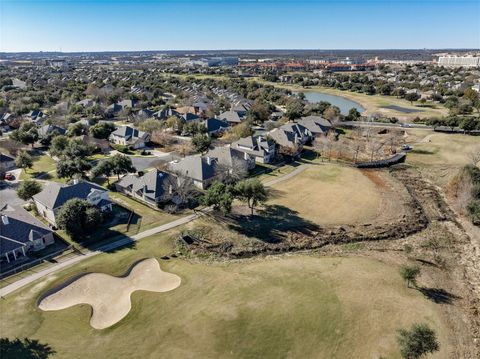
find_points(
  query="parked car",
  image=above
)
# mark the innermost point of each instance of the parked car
(406, 147)
(9, 177)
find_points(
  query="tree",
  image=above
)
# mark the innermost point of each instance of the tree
(26, 134)
(194, 128)
(294, 109)
(410, 274)
(78, 218)
(412, 97)
(103, 168)
(24, 348)
(332, 113)
(58, 145)
(417, 341)
(201, 142)
(28, 188)
(24, 160)
(175, 123)
(353, 115)
(150, 125)
(76, 129)
(68, 168)
(252, 191)
(259, 112)
(220, 196)
(121, 164)
(102, 130)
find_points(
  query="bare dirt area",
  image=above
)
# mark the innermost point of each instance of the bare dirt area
(109, 296)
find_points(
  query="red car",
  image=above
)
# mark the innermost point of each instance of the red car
(9, 177)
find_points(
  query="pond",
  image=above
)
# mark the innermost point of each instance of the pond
(342, 103)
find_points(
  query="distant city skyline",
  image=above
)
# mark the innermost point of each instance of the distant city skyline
(107, 25)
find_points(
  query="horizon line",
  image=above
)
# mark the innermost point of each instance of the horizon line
(245, 49)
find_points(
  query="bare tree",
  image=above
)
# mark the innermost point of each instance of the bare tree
(474, 156)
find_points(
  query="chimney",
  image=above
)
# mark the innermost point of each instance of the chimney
(145, 191)
(5, 219)
(209, 160)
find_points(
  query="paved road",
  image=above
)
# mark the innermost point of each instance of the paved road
(88, 254)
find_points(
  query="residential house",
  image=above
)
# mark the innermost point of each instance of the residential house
(154, 187)
(188, 117)
(99, 144)
(145, 113)
(232, 159)
(261, 148)
(201, 170)
(46, 130)
(36, 116)
(241, 109)
(54, 195)
(288, 142)
(215, 126)
(129, 136)
(232, 117)
(303, 134)
(164, 114)
(317, 125)
(20, 232)
(7, 163)
(122, 105)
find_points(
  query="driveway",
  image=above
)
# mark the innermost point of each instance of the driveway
(8, 195)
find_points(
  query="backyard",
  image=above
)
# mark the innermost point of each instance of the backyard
(284, 306)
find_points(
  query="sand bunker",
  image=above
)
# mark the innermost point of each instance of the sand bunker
(109, 296)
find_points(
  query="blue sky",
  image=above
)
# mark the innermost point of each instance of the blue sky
(107, 25)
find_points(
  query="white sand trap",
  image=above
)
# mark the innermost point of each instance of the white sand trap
(109, 296)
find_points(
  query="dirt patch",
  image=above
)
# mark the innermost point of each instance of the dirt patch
(109, 296)
(375, 178)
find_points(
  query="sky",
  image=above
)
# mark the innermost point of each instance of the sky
(124, 25)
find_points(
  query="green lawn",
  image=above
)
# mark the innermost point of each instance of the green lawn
(42, 166)
(294, 306)
(145, 216)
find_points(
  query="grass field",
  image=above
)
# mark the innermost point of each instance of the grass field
(329, 194)
(280, 307)
(440, 155)
(42, 166)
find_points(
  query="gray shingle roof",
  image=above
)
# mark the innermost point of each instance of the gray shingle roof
(129, 133)
(316, 124)
(22, 227)
(230, 116)
(54, 194)
(195, 167)
(156, 183)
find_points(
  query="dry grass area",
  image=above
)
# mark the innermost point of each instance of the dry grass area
(440, 155)
(297, 306)
(330, 194)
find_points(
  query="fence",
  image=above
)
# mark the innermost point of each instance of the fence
(35, 262)
(398, 158)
